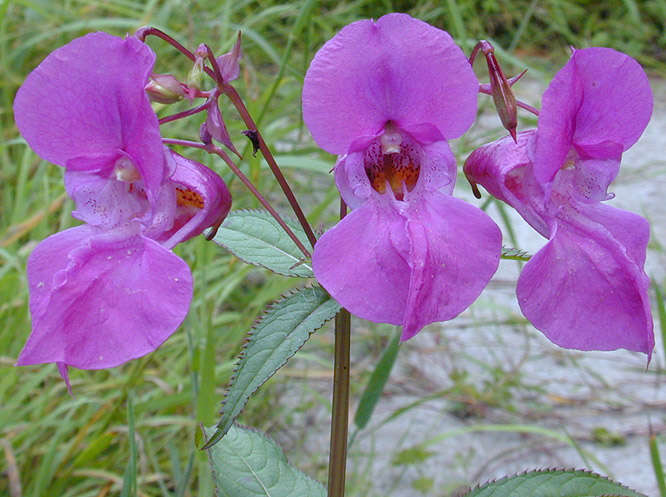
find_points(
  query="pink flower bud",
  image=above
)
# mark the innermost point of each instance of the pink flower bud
(505, 101)
(165, 89)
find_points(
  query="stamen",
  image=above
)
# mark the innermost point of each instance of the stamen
(124, 170)
(391, 139)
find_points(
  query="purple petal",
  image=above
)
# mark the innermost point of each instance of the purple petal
(104, 202)
(591, 178)
(557, 122)
(505, 170)
(203, 200)
(599, 99)
(216, 127)
(438, 171)
(396, 69)
(229, 62)
(617, 100)
(584, 290)
(99, 300)
(444, 280)
(86, 102)
(411, 268)
(360, 262)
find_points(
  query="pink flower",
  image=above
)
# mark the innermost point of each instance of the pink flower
(385, 96)
(586, 288)
(110, 290)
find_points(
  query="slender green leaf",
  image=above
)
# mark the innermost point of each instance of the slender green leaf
(249, 464)
(375, 387)
(554, 482)
(657, 465)
(280, 333)
(256, 238)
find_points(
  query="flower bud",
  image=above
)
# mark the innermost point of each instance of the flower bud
(165, 89)
(195, 76)
(499, 88)
(505, 101)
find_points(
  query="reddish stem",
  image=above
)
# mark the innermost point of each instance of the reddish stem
(235, 98)
(185, 113)
(213, 149)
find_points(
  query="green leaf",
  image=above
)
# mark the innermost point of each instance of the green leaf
(515, 254)
(554, 483)
(278, 335)
(256, 238)
(246, 463)
(375, 387)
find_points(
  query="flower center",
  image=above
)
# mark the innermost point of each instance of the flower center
(188, 198)
(392, 162)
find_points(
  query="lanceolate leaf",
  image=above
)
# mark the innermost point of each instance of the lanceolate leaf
(515, 254)
(554, 482)
(375, 386)
(255, 237)
(278, 335)
(249, 464)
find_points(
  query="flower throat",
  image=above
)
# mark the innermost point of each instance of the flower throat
(393, 163)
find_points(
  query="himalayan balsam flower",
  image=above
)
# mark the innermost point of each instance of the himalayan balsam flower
(586, 288)
(385, 96)
(110, 290)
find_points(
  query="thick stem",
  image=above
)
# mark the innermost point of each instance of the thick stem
(337, 463)
(213, 149)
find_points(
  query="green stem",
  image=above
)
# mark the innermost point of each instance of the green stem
(337, 464)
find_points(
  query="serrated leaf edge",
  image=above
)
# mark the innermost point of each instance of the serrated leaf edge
(241, 354)
(288, 220)
(515, 254)
(553, 470)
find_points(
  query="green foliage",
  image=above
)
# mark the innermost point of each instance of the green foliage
(247, 463)
(256, 238)
(657, 465)
(515, 254)
(554, 482)
(278, 335)
(375, 386)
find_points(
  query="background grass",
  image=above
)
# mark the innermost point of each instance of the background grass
(135, 427)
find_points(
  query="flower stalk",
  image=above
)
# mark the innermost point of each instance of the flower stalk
(237, 101)
(337, 463)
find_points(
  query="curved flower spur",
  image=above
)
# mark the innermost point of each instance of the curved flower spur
(110, 290)
(586, 288)
(385, 96)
